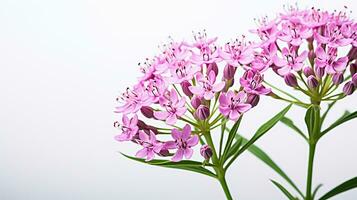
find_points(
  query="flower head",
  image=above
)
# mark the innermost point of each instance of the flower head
(129, 128)
(183, 142)
(233, 105)
(150, 145)
(206, 86)
(174, 108)
(252, 83)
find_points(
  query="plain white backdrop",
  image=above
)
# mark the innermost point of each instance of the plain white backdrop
(62, 64)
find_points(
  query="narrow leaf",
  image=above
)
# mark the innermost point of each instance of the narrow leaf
(265, 128)
(185, 165)
(230, 139)
(288, 122)
(345, 117)
(345, 186)
(315, 191)
(235, 147)
(259, 133)
(285, 191)
(264, 157)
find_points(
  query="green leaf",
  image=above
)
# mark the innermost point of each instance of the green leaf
(285, 191)
(345, 117)
(260, 132)
(260, 154)
(235, 147)
(265, 128)
(315, 191)
(230, 139)
(288, 122)
(184, 164)
(312, 121)
(345, 186)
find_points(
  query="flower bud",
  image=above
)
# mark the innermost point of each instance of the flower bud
(212, 67)
(354, 80)
(202, 112)
(253, 99)
(352, 54)
(312, 82)
(290, 80)
(206, 152)
(353, 68)
(185, 85)
(348, 88)
(229, 71)
(147, 111)
(195, 102)
(337, 78)
(153, 129)
(308, 71)
(141, 125)
(320, 72)
(164, 152)
(311, 55)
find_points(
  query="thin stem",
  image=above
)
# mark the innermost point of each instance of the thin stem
(223, 182)
(282, 91)
(312, 147)
(218, 167)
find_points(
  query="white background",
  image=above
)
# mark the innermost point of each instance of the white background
(62, 63)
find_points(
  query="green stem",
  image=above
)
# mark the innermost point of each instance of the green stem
(223, 182)
(312, 147)
(218, 167)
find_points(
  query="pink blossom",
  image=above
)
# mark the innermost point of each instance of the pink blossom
(206, 85)
(328, 60)
(182, 69)
(150, 144)
(133, 100)
(294, 33)
(155, 88)
(267, 31)
(233, 105)
(290, 61)
(207, 50)
(264, 59)
(183, 142)
(174, 107)
(252, 83)
(332, 36)
(129, 128)
(237, 53)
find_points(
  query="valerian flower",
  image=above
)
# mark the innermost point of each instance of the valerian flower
(233, 105)
(183, 142)
(129, 128)
(174, 107)
(328, 60)
(252, 83)
(206, 86)
(237, 53)
(290, 61)
(150, 145)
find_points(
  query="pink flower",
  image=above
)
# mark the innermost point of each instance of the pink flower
(264, 59)
(133, 100)
(290, 61)
(206, 85)
(129, 128)
(237, 53)
(155, 88)
(150, 144)
(183, 142)
(267, 31)
(207, 50)
(182, 69)
(328, 60)
(252, 83)
(233, 105)
(332, 36)
(175, 107)
(294, 33)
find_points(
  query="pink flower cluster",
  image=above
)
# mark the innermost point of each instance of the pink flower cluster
(185, 85)
(313, 42)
